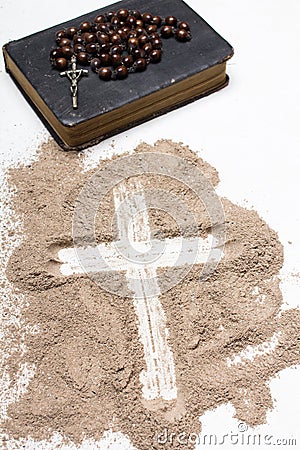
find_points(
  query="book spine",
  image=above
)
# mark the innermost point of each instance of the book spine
(5, 57)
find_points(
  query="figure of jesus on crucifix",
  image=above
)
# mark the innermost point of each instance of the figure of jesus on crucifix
(74, 75)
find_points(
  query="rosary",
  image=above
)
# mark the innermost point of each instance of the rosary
(114, 45)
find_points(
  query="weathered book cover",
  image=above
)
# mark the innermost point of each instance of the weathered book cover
(96, 97)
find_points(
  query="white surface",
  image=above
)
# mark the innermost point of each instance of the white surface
(249, 132)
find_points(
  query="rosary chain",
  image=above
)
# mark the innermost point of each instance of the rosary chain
(117, 44)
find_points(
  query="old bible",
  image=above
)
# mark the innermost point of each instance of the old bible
(188, 69)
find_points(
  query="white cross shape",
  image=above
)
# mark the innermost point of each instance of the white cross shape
(158, 380)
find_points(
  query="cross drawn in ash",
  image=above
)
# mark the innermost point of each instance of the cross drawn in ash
(74, 76)
(158, 380)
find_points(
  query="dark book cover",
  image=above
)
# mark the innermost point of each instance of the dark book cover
(97, 97)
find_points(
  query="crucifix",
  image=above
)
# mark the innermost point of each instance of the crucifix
(158, 379)
(74, 76)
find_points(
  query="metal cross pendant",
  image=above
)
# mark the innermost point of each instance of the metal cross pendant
(74, 76)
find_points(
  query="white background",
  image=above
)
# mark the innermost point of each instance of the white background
(249, 131)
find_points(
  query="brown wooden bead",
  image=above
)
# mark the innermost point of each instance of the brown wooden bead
(85, 26)
(133, 42)
(166, 31)
(103, 28)
(79, 48)
(110, 15)
(155, 56)
(122, 34)
(71, 31)
(153, 36)
(156, 20)
(139, 31)
(99, 19)
(105, 74)
(132, 34)
(105, 47)
(121, 72)
(156, 44)
(143, 40)
(56, 53)
(147, 17)
(116, 49)
(138, 53)
(127, 60)
(102, 38)
(116, 59)
(184, 26)
(61, 63)
(90, 37)
(95, 64)
(131, 20)
(123, 14)
(140, 64)
(67, 52)
(115, 39)
(92, 48)
(151, 29)
(135, 13)
(60, 35)
(115, 21)
(147, 48)
(182, 35)
(171, 20)
(126, 29)
(64, 42)
(83, 58)
(78, 40)
(105, 59)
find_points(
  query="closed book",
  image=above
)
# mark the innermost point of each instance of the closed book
(186, 72)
